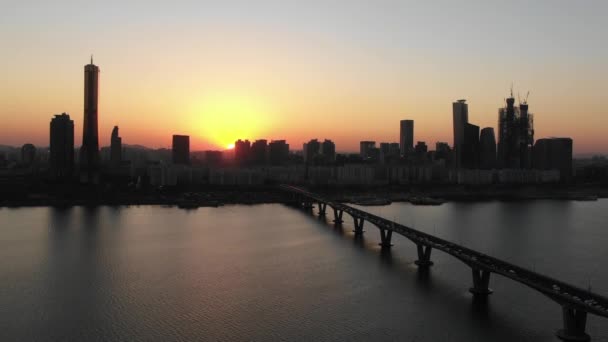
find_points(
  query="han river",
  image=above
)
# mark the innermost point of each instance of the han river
(274, 273)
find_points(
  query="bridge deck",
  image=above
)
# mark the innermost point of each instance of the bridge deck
(557, 290)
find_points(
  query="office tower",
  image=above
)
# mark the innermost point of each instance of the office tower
(406, 136)
(328, 150)
(460, 118)
(28, 154)
(487, 149)
(115, 148)
(278, 152)
(515, 135)
(365, 149)
(554, 153)
(469, 149)
(89, 152)
(311, 151)
(181, 149)
(241, 151)
(259, 151)
(62, 147)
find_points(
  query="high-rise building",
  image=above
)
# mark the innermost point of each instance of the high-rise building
(554, 153)
(62, 147)
(487, 149)
(259, 151)
(181, 149)
(365, 149)
(460, 118)
(311, 151)
(89, 152)
(406, 136)
(421, 150)
(115, 148)
(469, 149)
(515, 135)
(328, 150)
(278, 152)
(242, 151)
(28, 154)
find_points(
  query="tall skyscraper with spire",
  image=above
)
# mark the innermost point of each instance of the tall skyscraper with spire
(89, 152)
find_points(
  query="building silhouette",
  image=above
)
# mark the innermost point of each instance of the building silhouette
(515, 135)
(421, 150)
(460, 118)
(181, 149)
(242, 151)
(259, 152)
(554, 154)
(61, 156)
(328, 151)
(469, 149)
(278, 152)
(487, 149)
(311, 151)
(28, 154)
(406, 136)
(213, 158)
(115, 148)
(89, 152)
(366, 149)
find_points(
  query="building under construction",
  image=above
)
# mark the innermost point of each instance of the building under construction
(515, 135)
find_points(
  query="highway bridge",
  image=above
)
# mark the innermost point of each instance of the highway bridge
(575, 302)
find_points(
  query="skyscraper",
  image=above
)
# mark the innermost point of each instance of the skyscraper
(115, 148)
(89, 152)
(469, 149)
(460, 116)
(515, 135)
(406, 136)
(181, 149)
(487, 149)
(62, 146)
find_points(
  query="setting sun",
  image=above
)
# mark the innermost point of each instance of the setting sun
(224, 117)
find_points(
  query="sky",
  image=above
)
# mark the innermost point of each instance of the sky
(296, 70)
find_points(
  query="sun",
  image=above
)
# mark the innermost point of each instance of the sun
(230, 146)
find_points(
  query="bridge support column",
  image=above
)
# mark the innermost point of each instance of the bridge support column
(322, 207)
(385, 238)
(308, 205)
(338, 216)
(358, 226)
(574, 325)
(424, 256)
(481, 280)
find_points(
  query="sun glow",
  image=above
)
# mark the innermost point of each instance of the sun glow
(221, 119)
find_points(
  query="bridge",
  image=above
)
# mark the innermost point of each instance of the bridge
(575, 302)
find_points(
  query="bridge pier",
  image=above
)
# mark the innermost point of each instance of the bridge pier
(338, 216)
(574, 325)
(358, 225)
(424, 256)
(481, 280)
(385, 238)
(307, 205)
(322, 207)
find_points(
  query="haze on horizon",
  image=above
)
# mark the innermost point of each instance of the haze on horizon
(342, 70)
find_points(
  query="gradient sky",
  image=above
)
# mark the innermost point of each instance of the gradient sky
(296, 70)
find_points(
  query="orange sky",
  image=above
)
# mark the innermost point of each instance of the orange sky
(296, 72)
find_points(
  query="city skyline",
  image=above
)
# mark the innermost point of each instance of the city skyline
(218, 83)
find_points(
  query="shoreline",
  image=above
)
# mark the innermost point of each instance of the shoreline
(372, 196)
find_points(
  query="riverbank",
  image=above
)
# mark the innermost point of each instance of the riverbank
(420, 195)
